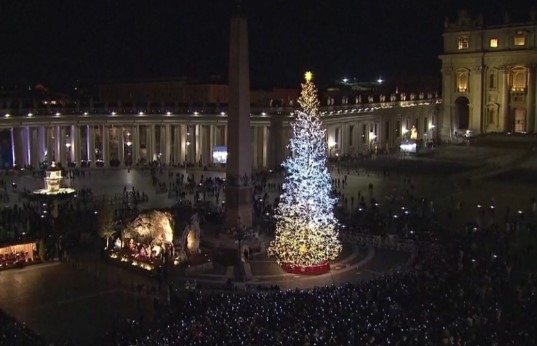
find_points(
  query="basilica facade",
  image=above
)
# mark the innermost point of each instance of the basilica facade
(488, 77)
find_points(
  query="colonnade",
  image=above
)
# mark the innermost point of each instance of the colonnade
(111, 140)
(353, 136)
(120, 144)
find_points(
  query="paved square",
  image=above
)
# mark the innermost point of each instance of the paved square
(62, 303)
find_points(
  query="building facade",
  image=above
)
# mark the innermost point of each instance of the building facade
(105, 137)
(488, 77)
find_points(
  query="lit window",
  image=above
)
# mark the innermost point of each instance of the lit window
(493, 43)
(463, 42)
(462, 81)
(520, 41)
(519, 80)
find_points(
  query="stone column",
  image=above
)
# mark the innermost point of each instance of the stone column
(62, 158)
(135, 147)
(34, 147)
(207, 144)
(121, 145)
(184, 141)
(152, 142)
(177, 144)
(91, 145)
(13, 146)
(212, 135)
(106, 146)
(77, 144)
(198, 153)
(24, 146)
(504, 106)
(343, 139)
(168, 144)
(379, 141)
(159, 149)
(530, 100)
(56, 144)
(265, 146)
(42, 143)
(27, 145)
(275, 143)
(49, 142)
(19, 146)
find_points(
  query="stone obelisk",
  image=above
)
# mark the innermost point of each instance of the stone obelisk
(239, 160)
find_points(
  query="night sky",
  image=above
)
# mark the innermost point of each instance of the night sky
(58, 42)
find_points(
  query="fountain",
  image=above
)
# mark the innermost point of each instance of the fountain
(53, 190)
(53, 179)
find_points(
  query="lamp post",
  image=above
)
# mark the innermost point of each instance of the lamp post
(431, 137)
(128, 143)
(68, 146)
(331, 146)
(405, 132)
(372, 137)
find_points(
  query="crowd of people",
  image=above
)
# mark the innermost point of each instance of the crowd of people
(469, 285)
(458, 293)
(17, 334)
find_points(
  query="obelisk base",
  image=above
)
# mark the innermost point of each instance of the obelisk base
(239, 206)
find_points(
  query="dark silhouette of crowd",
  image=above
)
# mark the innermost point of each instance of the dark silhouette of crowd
(466, 285)
(17, 334)
(455, 295)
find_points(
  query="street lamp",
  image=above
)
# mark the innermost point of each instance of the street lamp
(68, 146)
(128, 155)
(404, 132)
(372, 137)
(331, 145)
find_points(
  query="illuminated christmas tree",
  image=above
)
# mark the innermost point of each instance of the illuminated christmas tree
(306, 229)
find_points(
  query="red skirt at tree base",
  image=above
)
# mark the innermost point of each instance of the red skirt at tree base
(306, 270)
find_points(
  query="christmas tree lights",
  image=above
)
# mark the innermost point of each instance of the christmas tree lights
(306, 228)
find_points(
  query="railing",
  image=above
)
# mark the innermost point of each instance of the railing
(216, 111)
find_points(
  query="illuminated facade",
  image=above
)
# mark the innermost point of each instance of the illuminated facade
(175, 136)
(488, 77)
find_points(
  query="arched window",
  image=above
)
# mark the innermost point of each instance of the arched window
(462, 81)
(519, 79)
